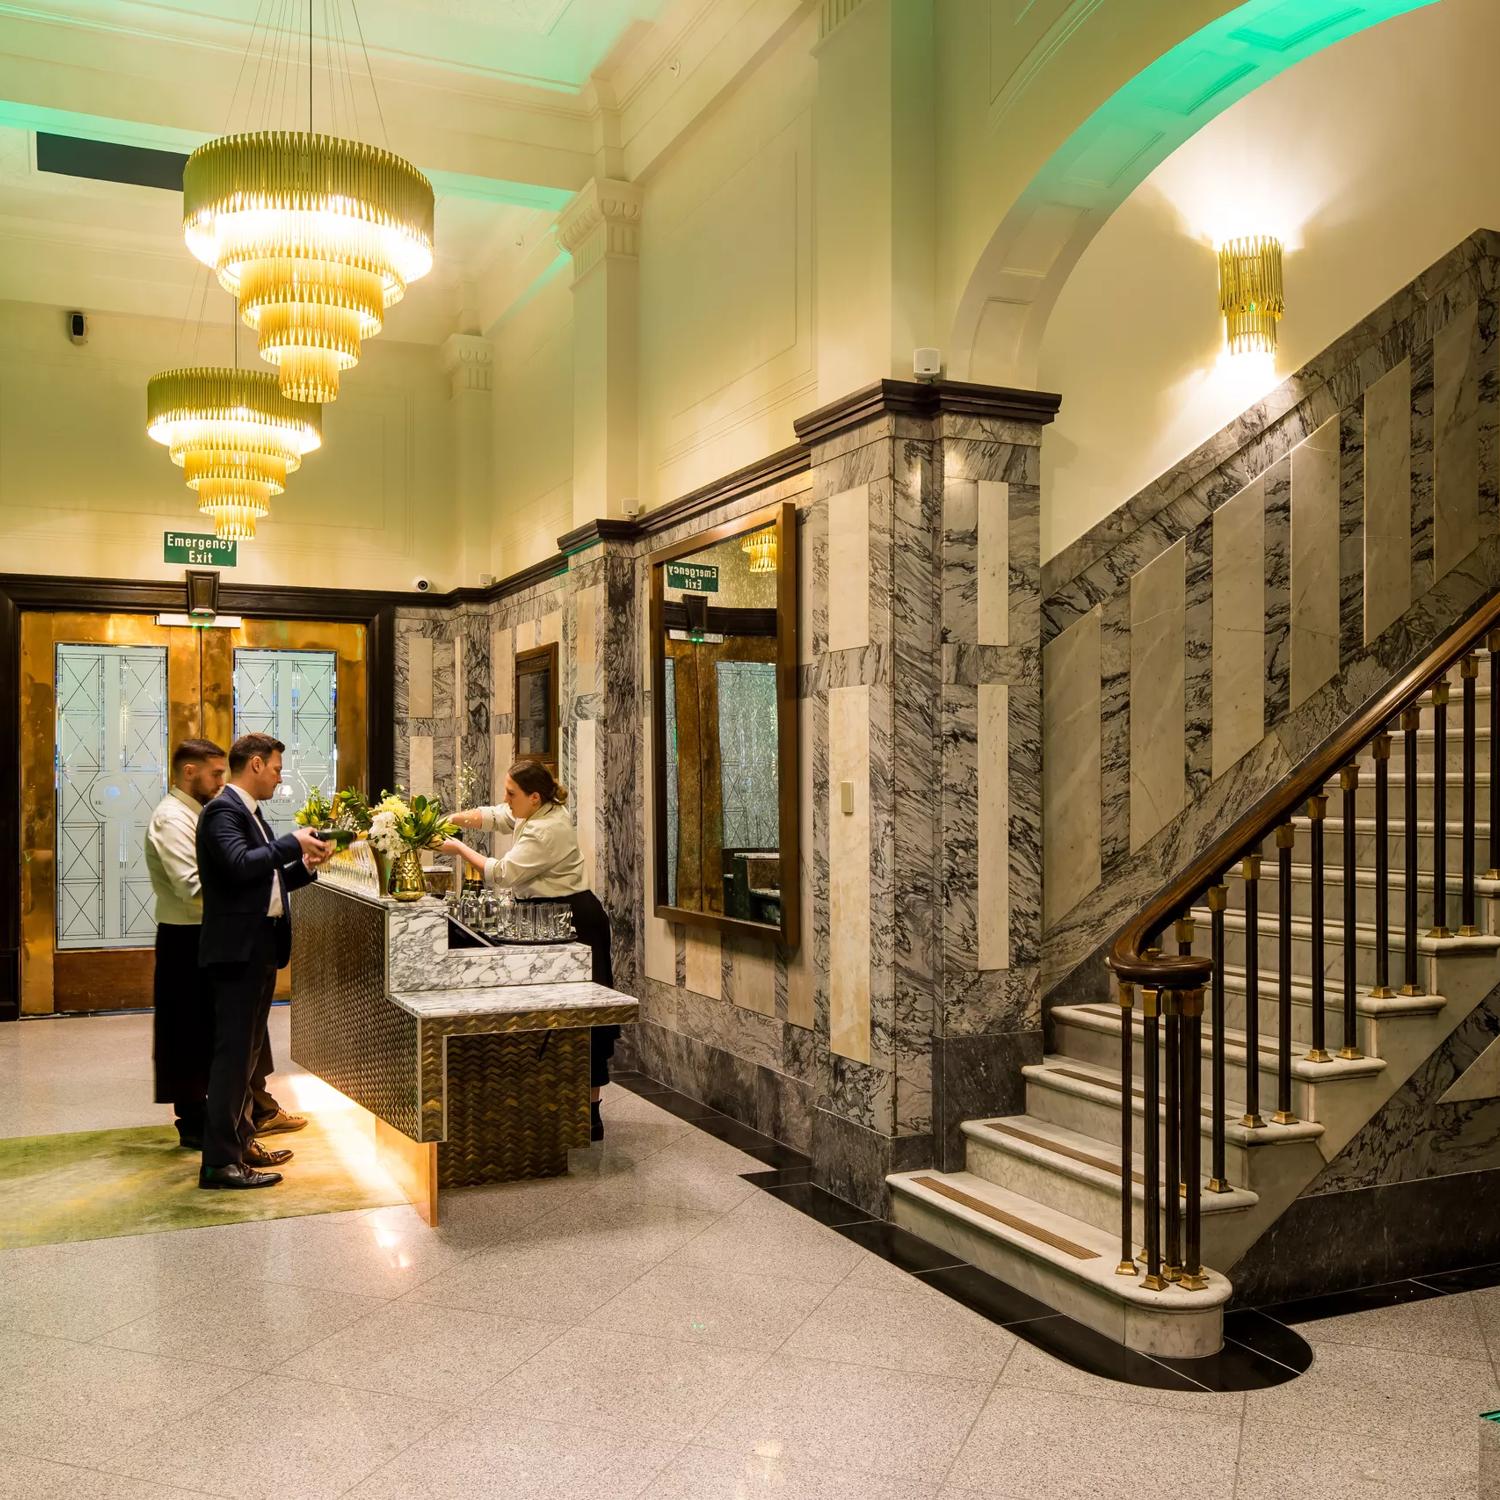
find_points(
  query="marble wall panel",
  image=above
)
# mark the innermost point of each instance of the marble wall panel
(1351, 422)
(1456, 372)
(419, 676)
(1070, 769)
(994, 825)
(800, 968)
(549, 628)
(1315, 552)
(1421, 469)
(704, 956)
(994, 536)
(1278, 589)
(420, 770)
(1114, 730)
(851, 842)
(1198, 638)
(659, 956)
(1158, 777)
(849, 562)
(1239, 626)
(752, 974)
(1387, 515)
(503, 669)
(585, 763)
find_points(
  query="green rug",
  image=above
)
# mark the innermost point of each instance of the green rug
(97, 1184)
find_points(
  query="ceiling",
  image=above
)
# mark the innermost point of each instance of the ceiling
(484, 95)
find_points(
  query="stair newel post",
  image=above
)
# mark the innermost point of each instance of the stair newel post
(1285, 837)
(1127, 1129)
(1411, 720)
(1218, 900)
(1492, 645)
(1381, 750)
(1190, 1002)
(1440, 927)
(1251, 871)
(1151, 1065)
(1468, 914)
(1317, 810)
(1349, 786)
(1171, 1267)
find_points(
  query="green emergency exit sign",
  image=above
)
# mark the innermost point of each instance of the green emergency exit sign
(696, 578)
(198, 549)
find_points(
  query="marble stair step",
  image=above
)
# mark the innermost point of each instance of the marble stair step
(1371, 1012)
(1085, 1097)
(1072, 1172)
(1063, 1261)
(1365, 794)
(1091, 1032)
(1365, 846)
(1366, 889)
(1432, 952)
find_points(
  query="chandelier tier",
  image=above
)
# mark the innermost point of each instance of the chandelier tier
(316, 236)
(234, 436)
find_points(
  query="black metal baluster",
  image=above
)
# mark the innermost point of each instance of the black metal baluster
(1218, 899)
(1411, 719)
(1381, 750)
(1251, 871)
(1172, 1169)
(1127, 1129)
(1285, 837)
(1349, 785)
(1439, 808)
(1151, 1064)
(1317, 810)
(1468, 921)
(1192, 1278)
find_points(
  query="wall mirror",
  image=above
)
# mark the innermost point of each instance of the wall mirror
(536, 706)
(724, 726)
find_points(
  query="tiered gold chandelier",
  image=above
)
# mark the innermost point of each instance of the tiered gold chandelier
(234, 436)
(316, 236)
(761, 546)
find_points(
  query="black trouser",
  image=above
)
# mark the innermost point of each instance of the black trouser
(591, 924)
(182, 1028)
(242, 1001)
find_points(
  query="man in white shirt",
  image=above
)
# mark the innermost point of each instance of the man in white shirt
(182, 1027)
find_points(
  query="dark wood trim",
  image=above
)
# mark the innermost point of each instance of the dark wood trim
(1127, 954)
(722, 621)
(784, 516)
(547, 569)
(924, 400)
(10, 808)
(604, 529)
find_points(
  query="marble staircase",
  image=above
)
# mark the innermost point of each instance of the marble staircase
(1039, 1200)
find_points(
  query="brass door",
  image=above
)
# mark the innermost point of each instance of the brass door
(104, 697)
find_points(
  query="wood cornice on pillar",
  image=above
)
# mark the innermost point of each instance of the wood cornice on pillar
(924, 399)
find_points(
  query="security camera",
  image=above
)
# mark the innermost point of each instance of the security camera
(421, 585)
(78, 327)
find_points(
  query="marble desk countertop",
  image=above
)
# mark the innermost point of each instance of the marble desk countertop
(513, 999)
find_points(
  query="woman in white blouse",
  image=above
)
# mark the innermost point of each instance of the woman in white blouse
(545, 863)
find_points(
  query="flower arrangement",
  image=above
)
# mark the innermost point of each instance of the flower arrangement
(320, 814)
(397, 826)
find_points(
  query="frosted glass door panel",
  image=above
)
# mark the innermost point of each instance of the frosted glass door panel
(111, 772)
(291, 695)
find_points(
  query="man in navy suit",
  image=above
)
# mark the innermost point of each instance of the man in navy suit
(248, 875)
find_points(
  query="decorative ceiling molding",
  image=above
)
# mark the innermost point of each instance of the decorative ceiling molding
(603, 220)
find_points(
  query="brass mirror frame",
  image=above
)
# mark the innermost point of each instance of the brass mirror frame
(788, 779)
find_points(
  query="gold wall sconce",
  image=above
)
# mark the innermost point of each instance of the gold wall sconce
(1250, 295)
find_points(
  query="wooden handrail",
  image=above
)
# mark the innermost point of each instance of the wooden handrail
(1162, 971)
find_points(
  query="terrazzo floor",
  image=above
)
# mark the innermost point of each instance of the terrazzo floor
(676, 1320)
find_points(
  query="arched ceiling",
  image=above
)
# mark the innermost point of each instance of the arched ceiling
(1003, 311)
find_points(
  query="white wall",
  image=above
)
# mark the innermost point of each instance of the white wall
(533, 455)
(727, 351)
(1370, 160)
(83, 490)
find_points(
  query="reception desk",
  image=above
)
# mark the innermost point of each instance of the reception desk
(473, 1060)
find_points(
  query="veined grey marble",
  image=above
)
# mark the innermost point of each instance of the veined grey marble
(420, 958)
(509, 999)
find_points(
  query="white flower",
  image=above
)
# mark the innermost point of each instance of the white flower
(383, 834)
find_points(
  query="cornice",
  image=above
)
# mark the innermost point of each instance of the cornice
(469, 361)
(603, 219)
(911, 398)
(539, 572)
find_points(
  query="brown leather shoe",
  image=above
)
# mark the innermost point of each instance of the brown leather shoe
(280, 1122)
(260, 1157)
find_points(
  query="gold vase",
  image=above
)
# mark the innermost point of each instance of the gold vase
(407, 883)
